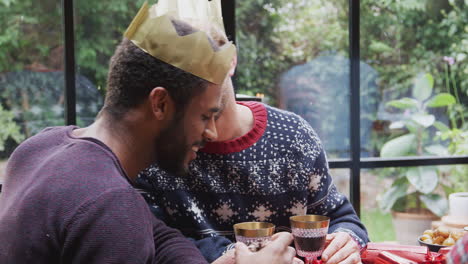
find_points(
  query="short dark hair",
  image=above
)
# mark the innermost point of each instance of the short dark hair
(134, 73)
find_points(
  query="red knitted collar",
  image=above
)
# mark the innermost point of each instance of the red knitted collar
(238, 144)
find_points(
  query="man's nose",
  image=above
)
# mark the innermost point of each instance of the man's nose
(210, 134)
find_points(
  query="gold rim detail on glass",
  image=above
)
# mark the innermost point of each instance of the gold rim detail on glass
(254, 229)
(309, 221)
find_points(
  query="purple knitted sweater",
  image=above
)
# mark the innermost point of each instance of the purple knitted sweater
(68, 200)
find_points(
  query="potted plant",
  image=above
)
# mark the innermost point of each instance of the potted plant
(416, 196)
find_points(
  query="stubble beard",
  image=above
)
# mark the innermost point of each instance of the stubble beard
(172, 149)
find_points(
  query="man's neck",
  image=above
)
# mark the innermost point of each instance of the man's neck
(246, 119)
(239, 121)
(125, 142)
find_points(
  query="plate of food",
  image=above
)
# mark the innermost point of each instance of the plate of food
(439, 238)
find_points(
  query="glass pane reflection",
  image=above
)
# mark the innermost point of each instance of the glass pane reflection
(31, 71)
(418, 52)
(294, 53)
(99, 29)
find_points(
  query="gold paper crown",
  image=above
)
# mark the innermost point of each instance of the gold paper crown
(153, 32)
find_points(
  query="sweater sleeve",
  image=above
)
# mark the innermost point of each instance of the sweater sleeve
(117, 227)
(323, 197)
(210, 247)
(213, 247)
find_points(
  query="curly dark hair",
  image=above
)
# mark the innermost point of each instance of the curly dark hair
(133, 74)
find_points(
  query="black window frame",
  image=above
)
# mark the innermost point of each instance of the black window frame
(355, 163)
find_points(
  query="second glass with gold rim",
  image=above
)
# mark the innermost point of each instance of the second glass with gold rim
(254, 234)
(309, 233)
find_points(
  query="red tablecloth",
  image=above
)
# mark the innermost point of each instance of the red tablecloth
(385, 253)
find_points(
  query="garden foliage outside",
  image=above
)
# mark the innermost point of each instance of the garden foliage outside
(419, 50)
(31, 61)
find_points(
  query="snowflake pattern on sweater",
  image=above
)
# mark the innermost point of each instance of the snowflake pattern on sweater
(284, 173)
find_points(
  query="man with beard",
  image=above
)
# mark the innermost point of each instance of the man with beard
(68, 195)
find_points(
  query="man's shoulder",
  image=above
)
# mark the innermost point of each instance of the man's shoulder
(113, 195)
(66, 167)
(53, 131)
(45, 137)
(88, 164)
(285, 118)
(281, 113)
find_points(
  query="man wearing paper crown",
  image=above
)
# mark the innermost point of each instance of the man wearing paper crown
(68, 194)
(266, 165)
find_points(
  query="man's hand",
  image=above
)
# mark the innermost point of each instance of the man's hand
(230, 258)
(277, 251)
(341, 248)
(226, 258)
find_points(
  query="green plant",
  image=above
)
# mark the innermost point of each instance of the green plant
(31, 34)
(415, 187)
(456, 175)
(456, 134)
(9, 128)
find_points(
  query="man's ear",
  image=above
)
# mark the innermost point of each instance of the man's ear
(232, 70)
(160, 102)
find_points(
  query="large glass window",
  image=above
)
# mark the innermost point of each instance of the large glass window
(99, 29)
(295, 53)
(31, 71)
(413, 93)
(341, 180)
(417, 50)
